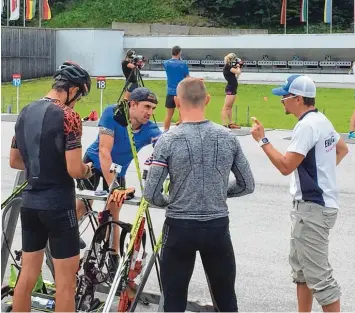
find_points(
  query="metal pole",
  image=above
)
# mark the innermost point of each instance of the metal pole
(285, 26)
(24, 13)
(101, 101)
(8, 13)
(248, 115)
(40, 13)
(331, 17)
(307, 16)
(18, 100)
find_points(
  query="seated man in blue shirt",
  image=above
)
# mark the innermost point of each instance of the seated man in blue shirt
(112, 146)
(176, 70)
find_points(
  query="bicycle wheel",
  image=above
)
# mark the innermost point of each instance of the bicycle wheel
(95, 267)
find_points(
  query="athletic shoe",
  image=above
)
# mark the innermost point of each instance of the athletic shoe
(233, 126)
(351, 135)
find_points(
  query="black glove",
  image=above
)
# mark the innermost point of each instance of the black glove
(119, 114)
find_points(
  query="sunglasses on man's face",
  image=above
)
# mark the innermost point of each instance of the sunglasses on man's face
(293, 96)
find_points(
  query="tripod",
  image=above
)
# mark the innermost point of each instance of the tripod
(134, 73)
(139, 80)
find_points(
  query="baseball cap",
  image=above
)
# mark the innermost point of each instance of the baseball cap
(143, 94)
(300, 85)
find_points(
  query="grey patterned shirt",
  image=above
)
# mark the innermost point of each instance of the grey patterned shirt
(198, 156)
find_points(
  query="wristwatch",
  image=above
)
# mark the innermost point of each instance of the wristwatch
(263, 141)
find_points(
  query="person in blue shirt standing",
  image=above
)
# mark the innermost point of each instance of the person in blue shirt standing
(176, 70)
(112, 146)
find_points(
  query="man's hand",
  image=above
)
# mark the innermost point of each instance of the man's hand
(119, 195)
(257, 130)
(88, 173)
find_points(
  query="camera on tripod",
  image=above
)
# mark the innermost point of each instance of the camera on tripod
(236, 62)
(138, 60)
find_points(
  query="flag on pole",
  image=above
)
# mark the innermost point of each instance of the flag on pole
(328, 11)
(46, 11)
(30, 9)
(14, 10)
(304, 9)
(283, 13)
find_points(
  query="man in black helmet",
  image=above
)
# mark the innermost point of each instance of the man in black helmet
(128, 71)
(47, 145)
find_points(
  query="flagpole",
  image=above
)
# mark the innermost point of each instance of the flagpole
(331, 17)
(24, 13)
(40, 12)
(285, 26)
(8, 13)
(307, 15)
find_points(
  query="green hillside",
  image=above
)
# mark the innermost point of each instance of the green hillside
(93, 13)
(221, 13)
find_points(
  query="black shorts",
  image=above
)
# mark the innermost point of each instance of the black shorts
(132, 86)
(170, 102)
(93, 182)
(231, 90)
(60, 227)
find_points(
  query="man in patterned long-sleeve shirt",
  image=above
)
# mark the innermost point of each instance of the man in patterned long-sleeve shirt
(198, 155)
(47, 145)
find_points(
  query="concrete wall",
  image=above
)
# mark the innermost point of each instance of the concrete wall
(263, 77)
(343, 41)
(156, 29)
(99, 51)
(337, 54)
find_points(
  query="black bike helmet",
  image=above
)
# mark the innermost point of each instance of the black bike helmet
(75, 76)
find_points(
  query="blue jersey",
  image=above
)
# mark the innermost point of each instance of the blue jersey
(121, 151)
(176, 70)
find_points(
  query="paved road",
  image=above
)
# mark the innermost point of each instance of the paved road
(260, 229)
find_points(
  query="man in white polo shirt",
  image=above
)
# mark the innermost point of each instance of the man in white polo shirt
(315, 151)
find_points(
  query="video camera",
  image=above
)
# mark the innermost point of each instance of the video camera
(137, 60)
(236, 62)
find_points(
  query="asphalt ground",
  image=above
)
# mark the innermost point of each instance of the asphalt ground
(259, 225)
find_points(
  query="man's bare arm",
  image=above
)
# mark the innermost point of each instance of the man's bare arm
(287, 163)
(105, 148)
(75, 166)
(16, 161)
(341, 150)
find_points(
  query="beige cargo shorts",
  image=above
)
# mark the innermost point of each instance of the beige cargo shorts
(308, 258)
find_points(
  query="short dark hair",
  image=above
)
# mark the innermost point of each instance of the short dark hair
(309, 101)
(175, 50)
